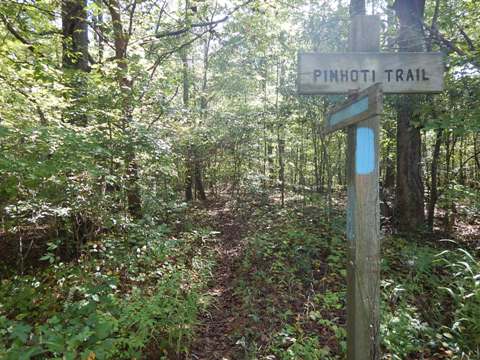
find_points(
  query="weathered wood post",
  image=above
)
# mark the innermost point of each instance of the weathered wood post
(365, 73)
(360, 115)
(363, 216)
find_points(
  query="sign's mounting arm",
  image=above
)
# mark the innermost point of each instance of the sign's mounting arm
(360, 107)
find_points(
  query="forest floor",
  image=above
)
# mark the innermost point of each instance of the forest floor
(241, 279)
(220, 320)
(269, 275)
(278, 289)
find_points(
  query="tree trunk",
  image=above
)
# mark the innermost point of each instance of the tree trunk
(97, 23)
(433, 183)
(134, 204)
(281, 171)
(280, 133)
(188, 176)
(389, 178)
(323, 164)
(461, 170)
(409, 204)
(302, 159)
(188, 161)
(75, 65)
(75, 35)
(450, 208)
(75, 56)
(476, 156)
(199, 188)
(198, 163)
(315, 156)
(193, 172)
(271, 165)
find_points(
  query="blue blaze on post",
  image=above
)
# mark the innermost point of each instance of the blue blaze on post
(365, 151)
(354, 109)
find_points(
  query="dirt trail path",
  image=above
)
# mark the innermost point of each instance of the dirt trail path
(213, 340)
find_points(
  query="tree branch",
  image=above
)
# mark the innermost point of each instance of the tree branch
(98, 31)
(162, 112)
(203, 24)
(16, 34)
(469, 41)
(473, 157)
(41, 114)
(434, 23)
(165, 55)
(442, 41)
(130, 22)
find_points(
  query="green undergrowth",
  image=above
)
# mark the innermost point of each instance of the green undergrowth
(129, 295)
(292, 286)
(431, 299)
(138, 294)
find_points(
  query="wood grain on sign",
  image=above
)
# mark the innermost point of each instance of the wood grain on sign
(399, 73)
(361, 107)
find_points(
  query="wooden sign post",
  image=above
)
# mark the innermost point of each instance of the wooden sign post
(356, 72)
(363, 218)
(361, 115)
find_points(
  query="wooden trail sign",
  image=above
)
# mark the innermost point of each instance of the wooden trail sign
(363, 216)
(361, 106)
(360, 115)
(399, 73)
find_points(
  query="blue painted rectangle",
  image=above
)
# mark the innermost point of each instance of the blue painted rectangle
(354, 109)
(365, 151)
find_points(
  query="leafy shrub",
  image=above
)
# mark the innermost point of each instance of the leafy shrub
(463, 333)
(403, 333)
(291, 345)
(122, 296)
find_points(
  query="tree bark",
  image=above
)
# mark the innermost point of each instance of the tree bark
(315, 157)
(120, 45)
(75, 65)
(450, 208)
(75, 35)
(188, 176)
(476, 156)
(188, 163)
(280, 132)
(281, 170)
(389, 178)
(75, 57)
(193, 164)
(97, 24)
(409, 202)
(200, 190)
(198, 161)
(434, 183)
